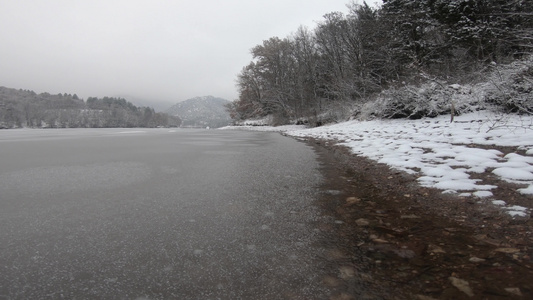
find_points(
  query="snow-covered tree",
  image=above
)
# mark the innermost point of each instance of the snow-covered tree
(487, 29)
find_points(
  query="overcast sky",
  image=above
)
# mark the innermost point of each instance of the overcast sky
(158, 50)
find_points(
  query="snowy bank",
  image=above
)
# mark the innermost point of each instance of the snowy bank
(283, 128)
(441, 154)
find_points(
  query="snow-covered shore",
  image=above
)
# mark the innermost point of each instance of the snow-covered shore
(442, 154)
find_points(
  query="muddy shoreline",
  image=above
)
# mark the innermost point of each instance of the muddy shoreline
(398, 240)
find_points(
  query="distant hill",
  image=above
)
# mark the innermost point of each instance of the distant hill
(201, 112)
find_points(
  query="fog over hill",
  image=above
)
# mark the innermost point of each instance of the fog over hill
(207, 111)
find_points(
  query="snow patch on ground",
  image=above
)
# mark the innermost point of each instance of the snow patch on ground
(482, 194)
(517, 210)
(498, 202)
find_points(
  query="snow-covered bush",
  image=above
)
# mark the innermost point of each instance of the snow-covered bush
(510, 87)
(507, 88)
(431, 99)
(338, 111)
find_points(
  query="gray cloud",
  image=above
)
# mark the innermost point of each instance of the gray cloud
(161, 50)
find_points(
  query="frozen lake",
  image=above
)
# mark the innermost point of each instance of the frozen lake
(158, 214)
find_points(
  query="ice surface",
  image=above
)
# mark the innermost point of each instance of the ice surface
(90, 215)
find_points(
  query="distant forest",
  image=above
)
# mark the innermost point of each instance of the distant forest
(23, 108)
(352, 58)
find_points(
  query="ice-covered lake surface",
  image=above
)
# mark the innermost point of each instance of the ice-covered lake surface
(159, 214)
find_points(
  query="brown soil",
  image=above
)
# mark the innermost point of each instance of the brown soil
(397, 240)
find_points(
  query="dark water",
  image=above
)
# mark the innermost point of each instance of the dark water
(159, 214)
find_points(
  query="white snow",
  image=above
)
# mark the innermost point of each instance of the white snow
(442, 154)
(517, 211)
(482, 194)
(513, 173)
(527, 191)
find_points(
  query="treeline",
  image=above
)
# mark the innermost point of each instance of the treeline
(24, 108)
(353, 57)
